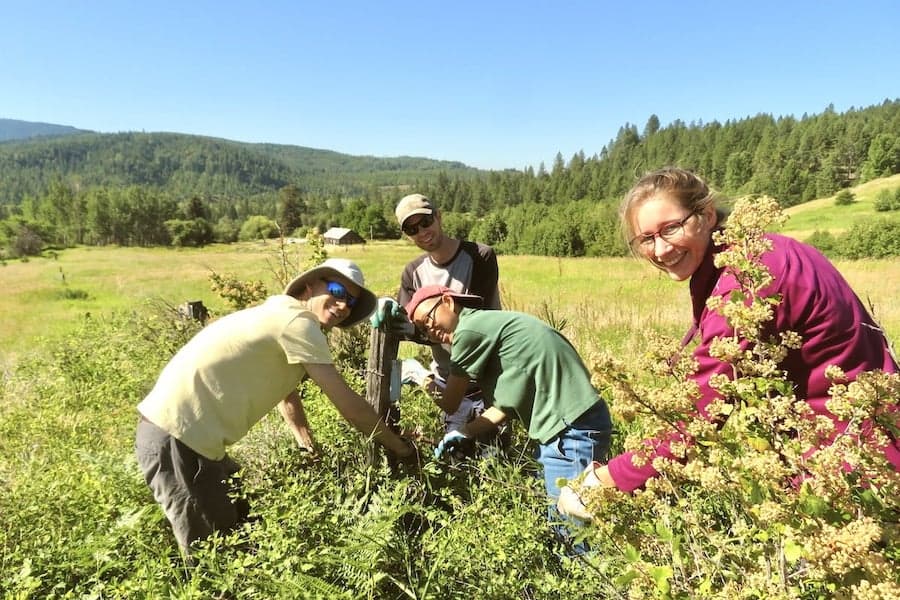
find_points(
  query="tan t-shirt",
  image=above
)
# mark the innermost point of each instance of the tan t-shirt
(234, 371)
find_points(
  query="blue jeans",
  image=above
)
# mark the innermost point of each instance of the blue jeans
(568, 454)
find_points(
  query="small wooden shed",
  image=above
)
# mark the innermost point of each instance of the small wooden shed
(339, 236)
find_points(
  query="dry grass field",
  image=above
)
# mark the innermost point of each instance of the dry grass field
(606, 299)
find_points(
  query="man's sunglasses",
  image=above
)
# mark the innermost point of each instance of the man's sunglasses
(424, 223)
(339, 292)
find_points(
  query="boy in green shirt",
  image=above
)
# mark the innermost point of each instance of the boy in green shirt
(529, 371)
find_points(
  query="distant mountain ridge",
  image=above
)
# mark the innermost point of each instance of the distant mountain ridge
(13, 129)
(33, 155)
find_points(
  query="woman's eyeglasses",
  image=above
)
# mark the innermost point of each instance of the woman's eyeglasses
(671, 233)
(424, 223)
(339, 292)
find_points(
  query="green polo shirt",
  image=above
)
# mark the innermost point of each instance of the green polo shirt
(527, 368)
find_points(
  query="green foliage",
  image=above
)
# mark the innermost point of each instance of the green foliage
(879, 238)
(490, 230)
(20, 237)
(238, 293)
(885, 200)
(459, 226)
(315, 244)
(67, 467)
(195, 232)
(883, 157)
(844, 198)
(258, 227)
(122, 188)
(80, 522)
(826, 242)
(226, 230)
(876, 238)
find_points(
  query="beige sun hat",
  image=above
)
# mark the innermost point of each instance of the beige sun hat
(345, 271)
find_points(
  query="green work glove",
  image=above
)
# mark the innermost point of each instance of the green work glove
(385, 312)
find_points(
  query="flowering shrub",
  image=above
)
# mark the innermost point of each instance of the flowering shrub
(239, 294)
(748, 511)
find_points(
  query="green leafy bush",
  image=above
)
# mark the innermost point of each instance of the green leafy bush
(844, 198)
(879, 238)
(824, 241)
(887, 200)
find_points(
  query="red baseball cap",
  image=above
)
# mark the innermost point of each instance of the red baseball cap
(432, 291)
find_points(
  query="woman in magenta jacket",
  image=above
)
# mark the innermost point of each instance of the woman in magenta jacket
(670, 215)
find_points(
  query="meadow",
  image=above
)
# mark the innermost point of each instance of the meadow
(610, 297)
(84, 333)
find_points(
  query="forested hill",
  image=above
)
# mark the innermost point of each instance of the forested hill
(168, 188)
(185, 165)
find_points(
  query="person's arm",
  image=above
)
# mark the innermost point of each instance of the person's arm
(487, 421)
(291, 409)
(621, 468)
(356, 410)
(452, 394)
(485, 276)
(602, 475)
(570, 503)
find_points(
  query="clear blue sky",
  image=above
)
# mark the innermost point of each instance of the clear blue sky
(492, 84)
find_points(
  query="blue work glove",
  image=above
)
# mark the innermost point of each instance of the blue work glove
(385, 312)
(450, 441)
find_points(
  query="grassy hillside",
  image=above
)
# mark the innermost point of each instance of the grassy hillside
(822, 214)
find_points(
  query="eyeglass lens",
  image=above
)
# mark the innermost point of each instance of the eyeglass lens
(339, 292)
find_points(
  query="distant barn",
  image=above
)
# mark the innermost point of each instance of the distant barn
(339, 236)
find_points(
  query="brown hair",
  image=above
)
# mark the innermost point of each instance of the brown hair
(680, 185)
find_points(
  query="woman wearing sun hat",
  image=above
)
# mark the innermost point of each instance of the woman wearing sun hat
(230, 375)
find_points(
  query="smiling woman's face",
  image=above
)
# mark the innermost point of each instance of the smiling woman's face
(679, 255)
(329, 310)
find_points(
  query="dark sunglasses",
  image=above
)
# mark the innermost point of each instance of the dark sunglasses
(424, 223)
(339, 292)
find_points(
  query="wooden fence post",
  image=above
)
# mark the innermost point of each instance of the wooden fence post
(383, 347)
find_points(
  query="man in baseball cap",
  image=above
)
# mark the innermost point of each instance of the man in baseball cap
(527, 370)
(464, 266)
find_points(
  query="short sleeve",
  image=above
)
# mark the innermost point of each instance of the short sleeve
(470, 353)
(304, 342)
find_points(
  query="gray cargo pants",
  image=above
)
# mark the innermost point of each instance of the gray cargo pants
(195, 493)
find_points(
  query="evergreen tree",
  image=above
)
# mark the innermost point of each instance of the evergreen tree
(291, 209)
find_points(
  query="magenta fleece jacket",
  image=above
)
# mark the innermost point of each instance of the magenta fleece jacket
(817, 303)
